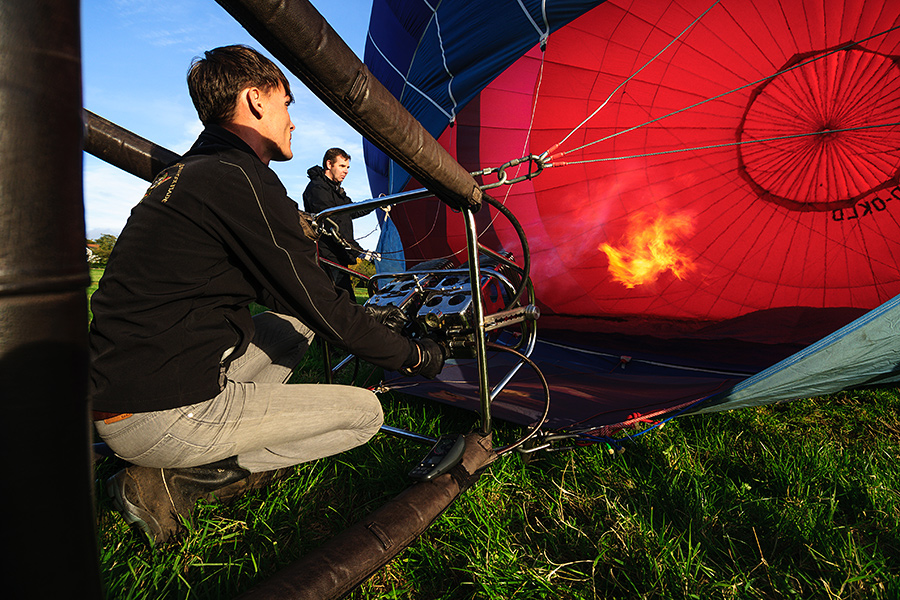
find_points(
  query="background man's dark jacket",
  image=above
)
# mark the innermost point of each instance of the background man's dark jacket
(214, 232)
(322, 193)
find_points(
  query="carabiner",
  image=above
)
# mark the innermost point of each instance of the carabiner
(503, 178)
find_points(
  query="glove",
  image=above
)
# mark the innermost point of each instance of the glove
(431, 359)
(390, 316)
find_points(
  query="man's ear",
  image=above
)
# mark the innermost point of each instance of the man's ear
(254, 99)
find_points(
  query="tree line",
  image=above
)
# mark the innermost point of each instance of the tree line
(98, 250)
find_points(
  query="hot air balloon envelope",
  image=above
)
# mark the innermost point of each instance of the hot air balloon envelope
(720, 186)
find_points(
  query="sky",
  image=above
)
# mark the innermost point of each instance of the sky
(135, 56)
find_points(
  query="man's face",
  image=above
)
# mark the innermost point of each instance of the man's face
(336, 170)
(277, 125)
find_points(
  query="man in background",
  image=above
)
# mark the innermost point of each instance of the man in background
(325, 191)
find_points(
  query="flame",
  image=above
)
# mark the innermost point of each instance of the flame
(649, 250)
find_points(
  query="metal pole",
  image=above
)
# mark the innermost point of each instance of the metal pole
(382, 201)
(47, 496)
(484, 386)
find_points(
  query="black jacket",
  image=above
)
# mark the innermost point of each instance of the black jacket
(214, 232)
(322, 193)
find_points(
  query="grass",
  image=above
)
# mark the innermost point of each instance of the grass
(96, 274)
(796, 500)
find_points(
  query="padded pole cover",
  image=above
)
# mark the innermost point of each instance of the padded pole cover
(47, 494)
(124, 149)
(349, 558)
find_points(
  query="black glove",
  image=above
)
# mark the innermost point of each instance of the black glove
(431, 359)
(390, 316)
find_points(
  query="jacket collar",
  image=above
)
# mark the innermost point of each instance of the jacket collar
(216, 136)
(317, 172)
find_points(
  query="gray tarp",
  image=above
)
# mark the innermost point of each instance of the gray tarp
(864, 352)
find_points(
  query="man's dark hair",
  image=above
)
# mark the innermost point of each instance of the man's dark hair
(331, 154)
(215, 80)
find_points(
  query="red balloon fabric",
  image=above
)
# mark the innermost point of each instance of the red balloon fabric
(705, 161)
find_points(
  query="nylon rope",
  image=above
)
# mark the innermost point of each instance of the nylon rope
(724, 145)
(406, 79)
(632, 76)
(542, 34)
(603, 433)
(525, 145)
(546, 20)
(672, 366)
(440, 40)
(450, 117)
(543, 37)
(710, 99)
(636, 127)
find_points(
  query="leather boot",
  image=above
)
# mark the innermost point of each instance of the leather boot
(157, 499)
(255, 481)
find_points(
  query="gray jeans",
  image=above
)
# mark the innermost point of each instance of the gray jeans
(265, 422)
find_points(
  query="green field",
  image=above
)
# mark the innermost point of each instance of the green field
(796, 500)
(96, 274)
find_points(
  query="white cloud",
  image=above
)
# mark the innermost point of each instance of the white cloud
(109, 195)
